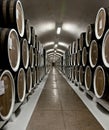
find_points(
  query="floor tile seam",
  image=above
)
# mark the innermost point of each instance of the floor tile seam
(62, 107)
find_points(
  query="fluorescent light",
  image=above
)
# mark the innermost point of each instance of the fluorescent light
(48, 44)
(56, 45)
(58, 30)
(55, 51)
(63, 44)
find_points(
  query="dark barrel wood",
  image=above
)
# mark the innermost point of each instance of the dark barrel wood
(93, 53)
(76, 74)
(105, 49)
(38, 74)
(101, 22)
(101, 82)
(27, 33)
(12, 15)
(81, 75)
(36, 42)
(82, 41)
(77, 45)
(31, 56)
(7, 98)
(73, 47)
(73, 74)
(84, 56)
(29, 80)
(33, 37)
(88, 78)
(36, 57)
(9, 49)
(34, 76)
(79, 57)
(90, 34)
(20, 85)
(25, 53)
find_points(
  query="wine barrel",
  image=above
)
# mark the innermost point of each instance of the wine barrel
(88, 78)
(90, 34)
(36, 57)
(29, 80)
(76, 74)
(20, 85)
(77, 45)
(93, 54)
(12, 15)
(101, 22)
(105, 49)
(84, 56)
(31, 56)
(25, 53)
(101, 82)
(33, 37)
(74, 47)
(81, 75)
(74, 59)
(27, 33)
(34, 76)
(9, 49)
(7, 94)
(38, 74)
(79, 57)
(36, 41)
(82, 41)
(73, 74)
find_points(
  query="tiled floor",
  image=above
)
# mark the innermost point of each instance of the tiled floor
(59, 108)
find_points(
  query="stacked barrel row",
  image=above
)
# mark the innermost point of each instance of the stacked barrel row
(19, 56)
(89, 57)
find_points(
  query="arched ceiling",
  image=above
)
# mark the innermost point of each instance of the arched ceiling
(73, 15)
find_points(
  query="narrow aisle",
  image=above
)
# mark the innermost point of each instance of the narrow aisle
(59, 108)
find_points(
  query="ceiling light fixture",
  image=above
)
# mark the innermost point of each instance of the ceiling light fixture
(56, 45)
(58, 31)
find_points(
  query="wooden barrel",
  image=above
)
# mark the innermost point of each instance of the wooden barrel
(84, 56)
(105, 49)
(36, 41)
(27, 33)
(81, 75)
(77, 45)
(93, 54)
(101, 22)
(73, 47)
(9, 49)
(76, 73)
(7, 95)
(34, 76)
(74, 59)
(12, 15)
(88, 78)
(29, 80)
(21, 85)
(90, 34)
(101, 82)
(79, 57)
(73, 74)
(38, 74)
(25, 53)
(36, 57)
(31, 56)
(82, 41)
(33, 37)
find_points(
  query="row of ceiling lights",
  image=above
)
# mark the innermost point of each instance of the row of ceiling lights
(58, 31)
